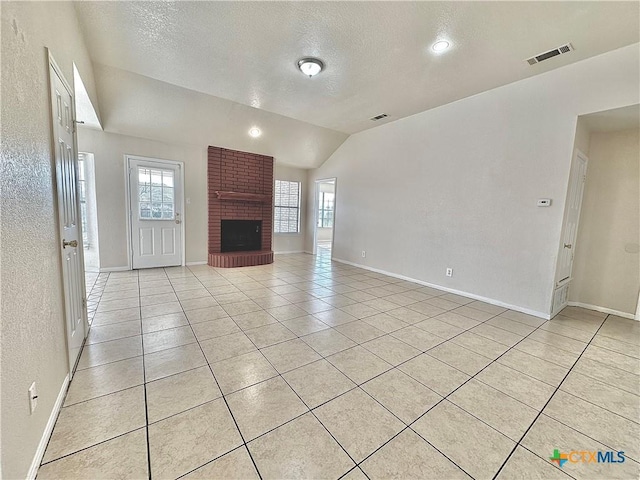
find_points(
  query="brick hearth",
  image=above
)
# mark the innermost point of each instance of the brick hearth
(240, 188)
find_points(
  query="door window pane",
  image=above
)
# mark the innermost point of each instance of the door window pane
(155, 194)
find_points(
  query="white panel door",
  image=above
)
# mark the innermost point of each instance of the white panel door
(68, 215)
(572, 217)
(155, 191)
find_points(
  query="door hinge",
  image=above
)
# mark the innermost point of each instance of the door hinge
(84, 303)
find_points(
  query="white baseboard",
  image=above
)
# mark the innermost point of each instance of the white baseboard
(288, 251)
(610, 311)
(114, 269)
(492, 301)
(191, 264)
(48, 430)
(308, 252)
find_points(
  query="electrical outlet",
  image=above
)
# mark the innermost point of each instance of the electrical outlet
(33, 398)
(364, 254)
(449, 272)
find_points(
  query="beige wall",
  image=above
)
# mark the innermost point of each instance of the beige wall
(606, 270)
(33, 335)
(292, 242)
(457, 186)
(109, 150)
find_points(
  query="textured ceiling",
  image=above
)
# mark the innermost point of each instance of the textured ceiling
(139, 106)
(377, 54)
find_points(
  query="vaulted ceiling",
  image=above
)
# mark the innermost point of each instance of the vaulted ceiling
(378, 54)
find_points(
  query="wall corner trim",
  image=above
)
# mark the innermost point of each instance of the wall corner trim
(597, 308)
(48, 430)
(492, 301)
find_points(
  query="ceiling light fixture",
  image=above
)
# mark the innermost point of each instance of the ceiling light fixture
(310, 66)
(440, 46)
(255, 132)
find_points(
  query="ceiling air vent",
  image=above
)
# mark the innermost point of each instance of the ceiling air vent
(379, 117)
(551, 53)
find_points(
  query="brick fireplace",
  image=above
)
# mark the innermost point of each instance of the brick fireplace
(240, 198)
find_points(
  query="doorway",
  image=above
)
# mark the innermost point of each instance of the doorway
(606, 270)
(88, 212)
(573, 206)
(69, 218)
(154, 202)
(325, 217)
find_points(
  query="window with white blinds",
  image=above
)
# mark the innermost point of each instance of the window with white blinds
(286, 216)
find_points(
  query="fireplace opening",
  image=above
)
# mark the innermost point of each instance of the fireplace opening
(241, 235)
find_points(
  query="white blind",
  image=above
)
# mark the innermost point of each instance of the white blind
(287, 207)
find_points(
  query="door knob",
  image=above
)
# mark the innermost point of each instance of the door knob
(72, 243)
(567, 245)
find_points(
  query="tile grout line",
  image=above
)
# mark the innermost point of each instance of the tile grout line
(465, 382)
(548, 401)
(144, 385)
(309, 410)
(384, 334)
(244, 442)
(305, 280)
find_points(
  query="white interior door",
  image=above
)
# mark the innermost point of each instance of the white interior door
(572, 217)
(155, 199)
(68, 214)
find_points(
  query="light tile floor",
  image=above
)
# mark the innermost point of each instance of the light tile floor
(312, 369)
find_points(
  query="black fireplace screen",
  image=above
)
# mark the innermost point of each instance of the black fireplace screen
(241, 235)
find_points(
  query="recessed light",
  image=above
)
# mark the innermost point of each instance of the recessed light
(440, 46)
(310, 66)
(255, 132)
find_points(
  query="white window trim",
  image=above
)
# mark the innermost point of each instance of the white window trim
(297, 232)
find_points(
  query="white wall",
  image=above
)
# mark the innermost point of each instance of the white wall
(109, 150)
(456, 186)
(292, 242)
(33, 334)
(142, 107)
(606, 271)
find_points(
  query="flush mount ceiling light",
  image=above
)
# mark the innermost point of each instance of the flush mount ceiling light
(255, 132)
(310, 66)
(440, 46)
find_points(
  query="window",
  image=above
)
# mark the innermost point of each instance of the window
(82, 196)
(325, 210)
(155, 194)
(287, 207)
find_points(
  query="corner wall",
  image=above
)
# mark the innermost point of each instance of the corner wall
(457, 186)
(606, 269)
(33, 327)
(109, 150)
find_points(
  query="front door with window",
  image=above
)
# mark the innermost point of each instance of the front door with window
(155, 190)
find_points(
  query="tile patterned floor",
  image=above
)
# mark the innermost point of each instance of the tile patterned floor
(311, 369)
